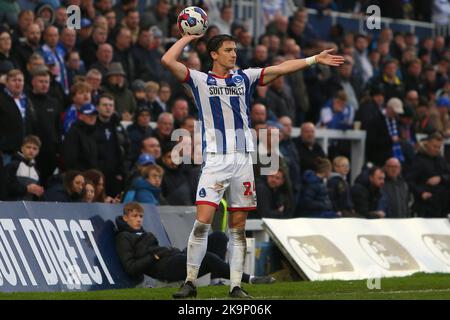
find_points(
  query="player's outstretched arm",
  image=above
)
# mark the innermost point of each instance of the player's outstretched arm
(170, 58)
(273, 72)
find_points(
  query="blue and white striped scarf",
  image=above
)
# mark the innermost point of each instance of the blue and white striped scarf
(396, 147)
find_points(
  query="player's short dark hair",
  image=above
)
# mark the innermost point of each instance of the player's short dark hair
(216, 42)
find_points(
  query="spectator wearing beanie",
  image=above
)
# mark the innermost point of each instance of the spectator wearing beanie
(80, 151)
(116, 86)
(138, 89)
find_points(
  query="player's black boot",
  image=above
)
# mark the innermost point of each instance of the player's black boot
(239, 293)
(187, 290)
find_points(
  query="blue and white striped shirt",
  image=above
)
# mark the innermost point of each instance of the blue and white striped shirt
(224, 108)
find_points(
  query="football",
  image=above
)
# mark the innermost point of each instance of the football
(192, 20)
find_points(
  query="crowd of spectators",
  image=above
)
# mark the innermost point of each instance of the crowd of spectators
(76, 108)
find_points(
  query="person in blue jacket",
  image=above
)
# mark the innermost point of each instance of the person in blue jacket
(147, 186)
(315, 201)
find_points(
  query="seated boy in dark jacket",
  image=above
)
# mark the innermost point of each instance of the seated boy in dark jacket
(315, 201)
(140, 253)
(22, 178)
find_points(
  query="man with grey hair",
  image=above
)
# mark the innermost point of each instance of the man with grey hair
(164, 128)
(94, 78)
(396, 190)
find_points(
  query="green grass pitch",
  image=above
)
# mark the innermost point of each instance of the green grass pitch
(418, 286)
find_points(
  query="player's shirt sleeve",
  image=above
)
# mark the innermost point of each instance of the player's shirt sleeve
(255, 75)
(192, 83)
(192, 78)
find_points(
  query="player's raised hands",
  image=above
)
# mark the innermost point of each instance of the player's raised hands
(329, 59)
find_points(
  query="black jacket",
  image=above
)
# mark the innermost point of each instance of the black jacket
(340, 193)
(270, 200)
(80, 150)
(57, 193)
(148, 64)
(112, 145)
(2, 180)
(292, 158)
(397, 193)
(367, 199)
(23, 52)
(12, 128)
(19, 174)
(176, 185)
(366, 112)
(126, 59)
(136, 134)
(48, 129)
(88, 51)
(308, 155)
(423, 168)
(139, 251)
(315, 199)
(379, 141)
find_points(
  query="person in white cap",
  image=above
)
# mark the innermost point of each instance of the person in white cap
(383, 139)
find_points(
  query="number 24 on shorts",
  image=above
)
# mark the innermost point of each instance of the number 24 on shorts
(248, 188)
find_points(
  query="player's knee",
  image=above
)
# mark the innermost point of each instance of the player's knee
(201, 230)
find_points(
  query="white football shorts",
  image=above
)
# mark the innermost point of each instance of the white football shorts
(230, 174)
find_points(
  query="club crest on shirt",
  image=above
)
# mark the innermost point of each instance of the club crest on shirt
(237, 80)
(202, 193)
(211, 81)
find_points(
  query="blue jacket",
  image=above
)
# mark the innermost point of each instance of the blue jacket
(315, 199)
(145, 192)
(339, 192)
(336, 120)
